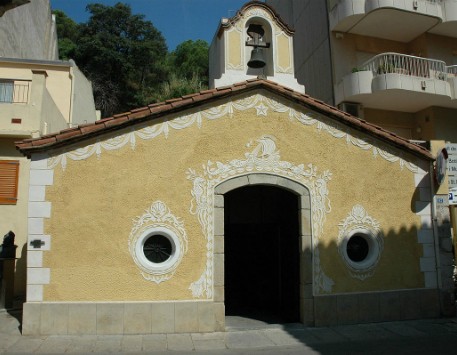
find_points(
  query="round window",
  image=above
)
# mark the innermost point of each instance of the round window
(157, 248)
(157, 243)
(361, 249)
(357, 248)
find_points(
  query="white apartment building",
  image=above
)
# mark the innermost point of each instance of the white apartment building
(390, 62)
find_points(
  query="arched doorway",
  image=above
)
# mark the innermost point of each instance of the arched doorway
(262, 253)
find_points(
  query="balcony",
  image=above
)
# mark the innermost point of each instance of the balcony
(13, 92)
(15, 110)
(397, 82)
(448, 27)
(397, 20)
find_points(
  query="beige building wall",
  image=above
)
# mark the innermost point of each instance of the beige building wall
(51, 97)
(82, 108)
(14, 217)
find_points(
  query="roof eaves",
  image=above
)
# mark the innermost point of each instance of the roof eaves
(119, 121)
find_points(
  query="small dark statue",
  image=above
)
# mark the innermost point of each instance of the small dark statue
(8, 249)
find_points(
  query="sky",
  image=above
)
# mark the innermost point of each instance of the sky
(178, 20)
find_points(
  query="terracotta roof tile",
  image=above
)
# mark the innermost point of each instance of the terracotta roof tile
(43, 141)
(209, 91)
(84, 131)
(71, 129)
(68, 134)
(156, 104)
(136, 114)
(191, 95)
(161, 108)
(223, 91)
(91, 128)
(202, 97)
(170, 101)
(117, 122)
(103, 120)
(182, 102)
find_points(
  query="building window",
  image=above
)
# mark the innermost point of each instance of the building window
(157, 250)
(361, 249)
(360, 243)
(9, 174)
(6, 91)
(357, 248)
(157, 243)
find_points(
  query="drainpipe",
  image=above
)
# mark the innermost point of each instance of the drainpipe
(72, 93)
(436, 242)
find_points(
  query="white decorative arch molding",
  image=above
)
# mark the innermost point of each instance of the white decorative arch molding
(218, 178)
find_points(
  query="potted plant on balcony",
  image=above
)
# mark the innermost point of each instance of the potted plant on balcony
(386, 67)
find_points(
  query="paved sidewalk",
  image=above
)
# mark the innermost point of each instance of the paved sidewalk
(421, 336)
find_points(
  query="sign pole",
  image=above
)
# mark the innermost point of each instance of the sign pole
(453, 213)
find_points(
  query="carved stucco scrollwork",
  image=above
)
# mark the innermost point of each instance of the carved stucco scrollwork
(262, 104)
(359, 222)
(158, 218)
(265, 158)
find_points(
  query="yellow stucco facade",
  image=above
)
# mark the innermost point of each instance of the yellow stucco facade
(105, 195)
(95, 199)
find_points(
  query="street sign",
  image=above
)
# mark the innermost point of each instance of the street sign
(452, 169)
(453, 196)
(452, 180)
(451, 148)
(452, 166)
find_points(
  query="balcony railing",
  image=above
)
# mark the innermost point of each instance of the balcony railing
(452, 70)
(11, 92)
(407, 65)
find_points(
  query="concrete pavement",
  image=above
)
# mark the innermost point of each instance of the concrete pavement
(437, 336)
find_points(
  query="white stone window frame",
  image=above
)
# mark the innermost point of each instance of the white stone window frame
(374, 250)
(150, 266)
(158, 219)
(358, 222)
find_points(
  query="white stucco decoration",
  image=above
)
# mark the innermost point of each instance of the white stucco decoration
(157, 220)
(358, 222)
(310, 119)
(263, 158)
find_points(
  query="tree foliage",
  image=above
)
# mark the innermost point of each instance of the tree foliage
(123, 51)
(190, 59)
(127, 60)
(67, 30)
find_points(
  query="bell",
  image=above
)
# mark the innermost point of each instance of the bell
(257, 60)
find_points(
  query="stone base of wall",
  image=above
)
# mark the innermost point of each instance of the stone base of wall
(115, 318)
(376, 307)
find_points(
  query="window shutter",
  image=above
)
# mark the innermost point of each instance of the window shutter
(9, 174)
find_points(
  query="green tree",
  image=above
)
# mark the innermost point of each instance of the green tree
(190, 60)
(67, 31)
(122, 54)
(178, 86)
(126, 58)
